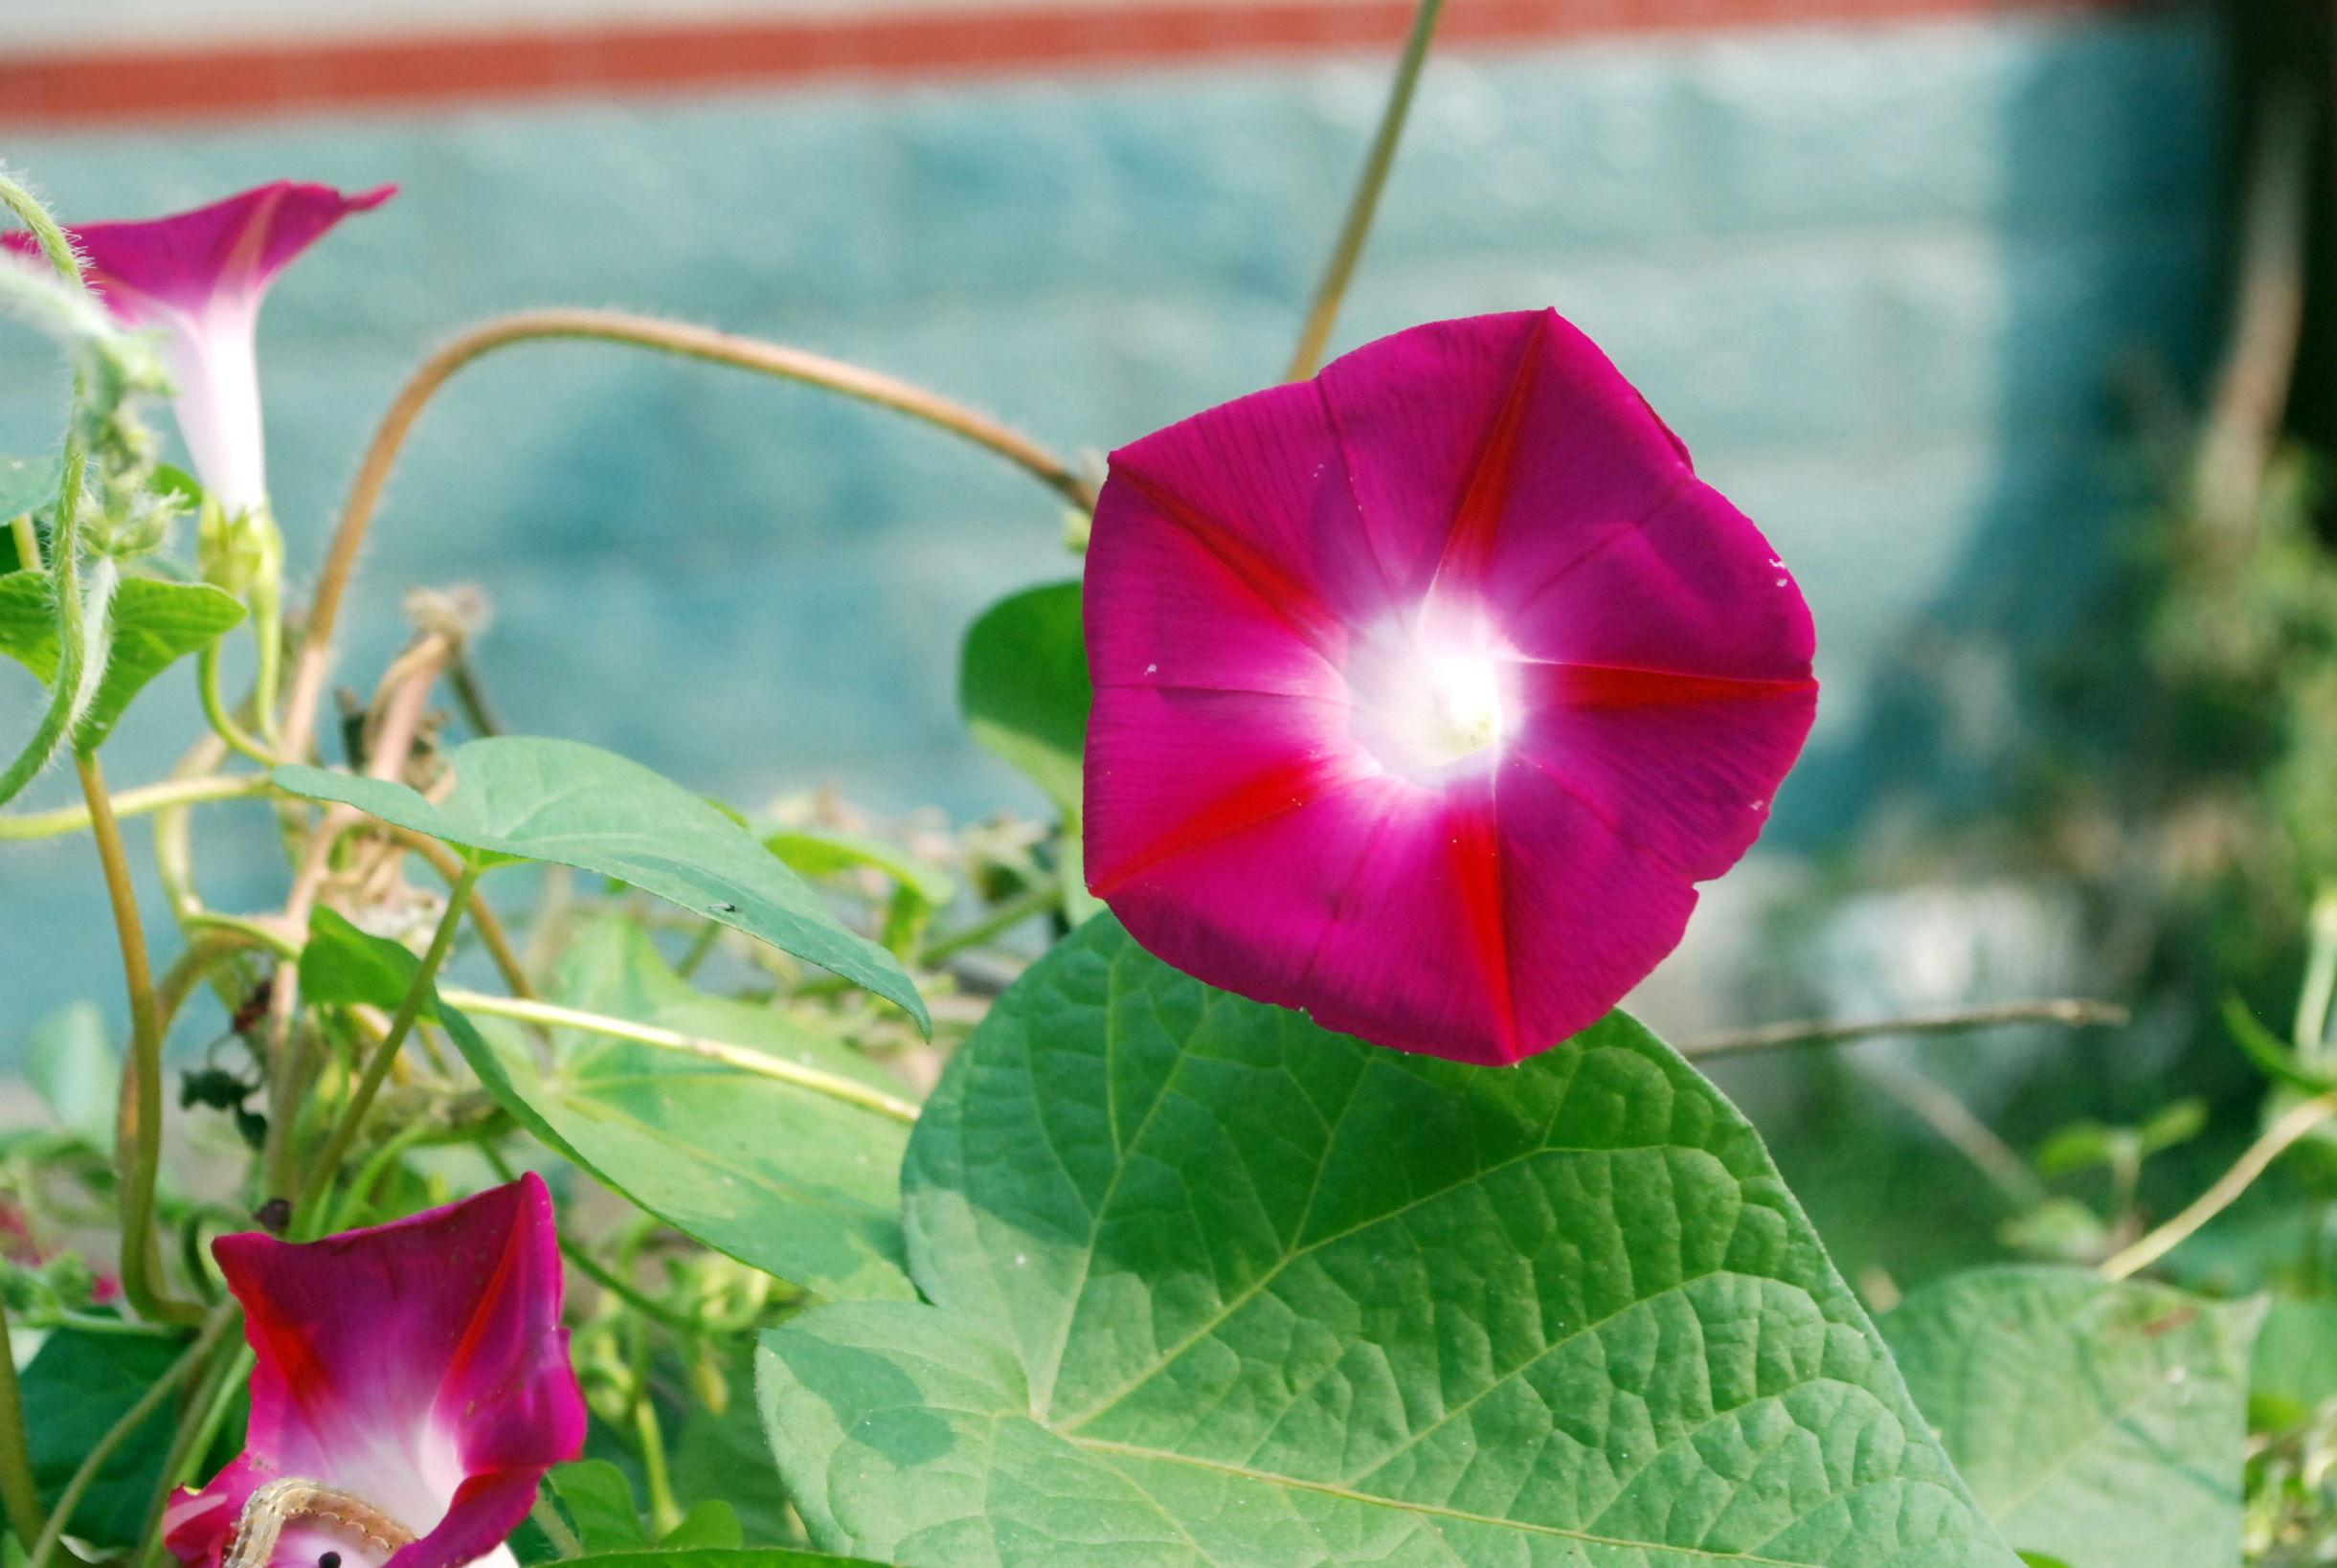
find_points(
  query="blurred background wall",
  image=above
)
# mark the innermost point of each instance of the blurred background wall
(1880, 263)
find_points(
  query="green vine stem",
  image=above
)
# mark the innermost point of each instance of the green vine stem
(65, 700)
(65, 697)
(2293, 1124)
(1315, 336)
(20, 1496)
(198, 1428)
(137, 802)
(46, 1548)
(47, 233)
(641, 332)
(138, 1153)
(308, 1212)
(215, 708)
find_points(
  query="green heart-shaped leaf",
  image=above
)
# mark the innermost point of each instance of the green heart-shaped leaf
(534, 799)
(1022, 685)
(154, 625)
(1211, 1286)
(2103, 1424)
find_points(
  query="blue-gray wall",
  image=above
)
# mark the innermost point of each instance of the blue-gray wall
(1879, 280)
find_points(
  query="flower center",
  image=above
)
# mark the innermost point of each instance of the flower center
(1424, 709)
(280, 1505)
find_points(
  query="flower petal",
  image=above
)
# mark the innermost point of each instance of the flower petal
(1689, 762)
(1186, 615)
(1693, 589)
(232, 247)
(1262, 483)
(1494, 448)
(410, 1364)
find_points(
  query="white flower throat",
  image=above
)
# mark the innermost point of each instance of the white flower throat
(1425, 706)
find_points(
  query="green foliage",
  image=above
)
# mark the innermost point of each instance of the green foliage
(699, 1556)
(532, 799)
(80, 1385)
(343, 967)
(1211, 1285)
(596, 1500)
(155, 625)
(795, 1182)
(2100, 1423)
(76, 1072)
(1022, 686)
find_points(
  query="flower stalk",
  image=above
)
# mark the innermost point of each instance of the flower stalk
(1315, 336)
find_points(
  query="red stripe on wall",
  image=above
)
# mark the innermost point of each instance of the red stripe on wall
(134, 85)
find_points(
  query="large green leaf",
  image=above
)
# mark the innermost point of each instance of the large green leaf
(1213, 1285)
(791, 1181)
(155, 625)
(717, 1557)
(1022, 685)
(533, 799)
(73, 1391)
(2098, 1422)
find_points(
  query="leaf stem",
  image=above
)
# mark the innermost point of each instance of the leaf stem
(137, 802)
(19, 1494)
(2295, 1123)
(1339, 271)
(139, 1139)
(213, 1325)
(764, 1064)
(641, 332)
(2076, 1012)
(310, 1209)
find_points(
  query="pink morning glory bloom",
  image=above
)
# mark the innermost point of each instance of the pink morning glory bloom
(1428, 689)
(199, 278)
(411, 1389)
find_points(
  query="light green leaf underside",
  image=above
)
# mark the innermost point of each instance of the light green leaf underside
(26, 484)
(796, 1183)
(1022, 685)
(155, 625)
(519, 798)
(1213, 1285)
(2098, 1422)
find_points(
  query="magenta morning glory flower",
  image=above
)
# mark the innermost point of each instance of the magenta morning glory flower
(1427, 691)
(411, 1389)
(198, 278)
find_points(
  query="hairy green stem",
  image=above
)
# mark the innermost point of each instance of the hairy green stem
(309, 1210)
(65, 697)
(46, 232)
(19, 1495)
(139, 1139)
(1324, 313)
(221, 1318)
(28, 542)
